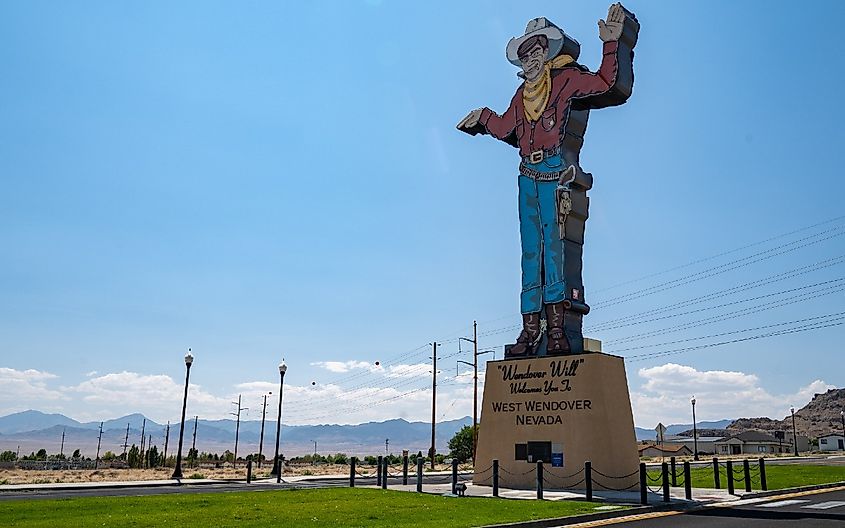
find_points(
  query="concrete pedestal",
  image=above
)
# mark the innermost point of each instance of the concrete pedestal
(563, 410)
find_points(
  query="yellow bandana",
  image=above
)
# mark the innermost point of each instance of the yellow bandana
(535, 95)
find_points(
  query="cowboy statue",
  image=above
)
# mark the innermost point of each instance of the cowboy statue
(546, 121)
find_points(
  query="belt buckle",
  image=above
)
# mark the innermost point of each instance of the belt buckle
(536, 156)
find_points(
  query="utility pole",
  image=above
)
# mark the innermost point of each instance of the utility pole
(194, 442)
(315, 450)
(166, 440)
(99, 439)
(261, 441)
(237, 427)
(149, 446)
(475, 355)
(433, 400)
(62, 449)
(125, 442)
(143, 427)
(386, 444)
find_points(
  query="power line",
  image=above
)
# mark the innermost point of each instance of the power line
(805, 328)
(723, 305)
(722, 254)
(722, 334)
(723, 317)
(718, 270)
(735, 289)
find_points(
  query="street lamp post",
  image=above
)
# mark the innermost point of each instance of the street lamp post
(177, 471)
(694, 432)
(794, 433)
(277, 470)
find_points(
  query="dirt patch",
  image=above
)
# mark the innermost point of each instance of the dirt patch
(40, 476)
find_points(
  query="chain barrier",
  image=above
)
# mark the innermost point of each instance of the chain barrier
(657, 491)
(596, 471)
(610, 488)
(658, 479)
(503, 470)
(364, 475)
(578, 483)
(490, 467)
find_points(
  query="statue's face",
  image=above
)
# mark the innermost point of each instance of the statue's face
(533, 62)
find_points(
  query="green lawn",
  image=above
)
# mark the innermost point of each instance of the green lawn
(777, 476)
(313, 508)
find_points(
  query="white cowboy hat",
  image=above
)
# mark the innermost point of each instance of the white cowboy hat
(559, 42)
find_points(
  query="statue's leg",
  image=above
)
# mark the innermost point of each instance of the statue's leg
(531, 299)
(554, 279)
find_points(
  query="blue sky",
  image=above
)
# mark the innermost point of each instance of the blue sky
(263, 180)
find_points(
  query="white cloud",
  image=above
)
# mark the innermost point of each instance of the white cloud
(346, 366)
(155, 395)
(419, 370)
(27, 389)
(666, 392)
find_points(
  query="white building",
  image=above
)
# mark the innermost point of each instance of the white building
(832, 442)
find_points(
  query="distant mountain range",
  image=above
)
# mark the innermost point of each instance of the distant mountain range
(33, 430)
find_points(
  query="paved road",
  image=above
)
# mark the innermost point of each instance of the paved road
(805, 510)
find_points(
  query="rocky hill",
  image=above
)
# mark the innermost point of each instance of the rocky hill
(820, 416)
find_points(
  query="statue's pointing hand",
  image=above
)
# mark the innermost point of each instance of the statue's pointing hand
(611, 29)
(471, 120)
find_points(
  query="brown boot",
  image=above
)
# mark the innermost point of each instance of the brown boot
(557, 344)
(528, 338)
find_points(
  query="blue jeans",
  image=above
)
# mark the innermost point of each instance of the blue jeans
(543, 251)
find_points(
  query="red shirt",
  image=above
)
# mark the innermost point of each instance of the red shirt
(568, 83)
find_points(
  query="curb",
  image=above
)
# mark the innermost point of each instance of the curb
(575, 519)
(771, 493)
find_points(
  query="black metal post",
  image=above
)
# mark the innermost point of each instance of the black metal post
(672, 467)
(378, 470)
(277, 468)
(643, 484)
(405, 470)
(763, 485)
(177, 471)
(419, 473)
(384, 473)
(249, 471)
(454, 476)
(687, 481)
(495, 478)
(539, 480)
(794, 432)
(729, 470)
(694, 433)
(588, 479)
(746, 469)
(716, 478)
(665, 468)
(352, 472)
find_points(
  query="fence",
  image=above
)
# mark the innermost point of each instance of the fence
(660, 484)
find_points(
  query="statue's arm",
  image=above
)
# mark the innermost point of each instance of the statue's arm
(486, 121)
(613, 83)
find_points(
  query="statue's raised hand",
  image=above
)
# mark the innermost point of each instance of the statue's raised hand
(611, 29)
